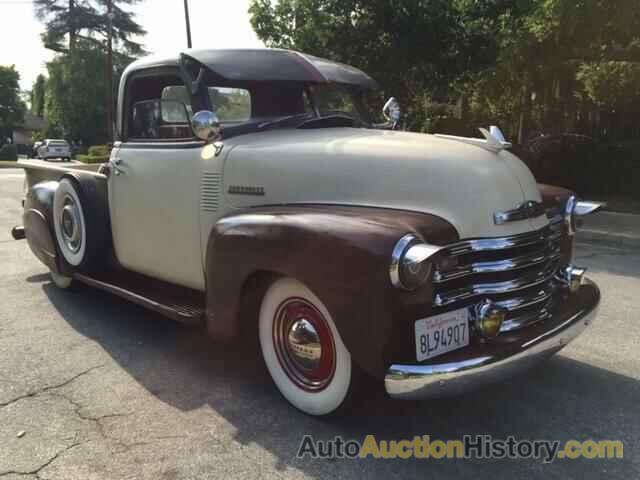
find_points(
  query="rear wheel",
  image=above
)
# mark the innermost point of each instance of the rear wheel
(79, 224)
(303, 351)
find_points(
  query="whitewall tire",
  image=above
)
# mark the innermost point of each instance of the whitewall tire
(69, 223)
(302, 349)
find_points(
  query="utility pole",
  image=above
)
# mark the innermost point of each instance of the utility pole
(186, 19)
(110, 72)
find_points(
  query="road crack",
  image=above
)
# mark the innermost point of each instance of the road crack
(98, 421)
(37, 470)
(49, 388)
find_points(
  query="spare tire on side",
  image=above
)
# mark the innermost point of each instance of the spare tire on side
(81, 224)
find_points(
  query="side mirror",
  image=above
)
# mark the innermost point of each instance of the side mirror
(392, 112)
(206, 126)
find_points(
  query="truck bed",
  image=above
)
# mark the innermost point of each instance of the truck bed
(39, 171)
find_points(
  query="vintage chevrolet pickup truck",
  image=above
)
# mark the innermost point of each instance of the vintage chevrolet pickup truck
(250, 192)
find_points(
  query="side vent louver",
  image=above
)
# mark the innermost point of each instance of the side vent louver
(210, 191)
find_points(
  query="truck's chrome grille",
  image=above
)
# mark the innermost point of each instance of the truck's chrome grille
(524, 261)
(515, 272)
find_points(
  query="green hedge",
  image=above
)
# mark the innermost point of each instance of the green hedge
(92, 159)
(96, 154)
(99, 151)
(9, 152)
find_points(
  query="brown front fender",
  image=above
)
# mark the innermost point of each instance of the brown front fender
(341, 253)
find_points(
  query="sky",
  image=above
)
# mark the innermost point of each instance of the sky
(214, 24)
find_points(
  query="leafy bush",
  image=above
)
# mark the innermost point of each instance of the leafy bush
(9, 152)
(99, 151)
(96, 154)
(37, 136)
(92, 159)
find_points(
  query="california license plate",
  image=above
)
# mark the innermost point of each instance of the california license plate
(442, 333)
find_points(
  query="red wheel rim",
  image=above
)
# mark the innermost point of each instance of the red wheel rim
(304, 344)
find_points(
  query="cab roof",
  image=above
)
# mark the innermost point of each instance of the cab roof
(264, 65)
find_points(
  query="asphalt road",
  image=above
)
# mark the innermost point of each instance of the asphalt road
(92, 387)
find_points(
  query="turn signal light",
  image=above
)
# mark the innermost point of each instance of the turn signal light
(489, 318)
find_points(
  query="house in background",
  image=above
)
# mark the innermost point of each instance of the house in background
(22, 134)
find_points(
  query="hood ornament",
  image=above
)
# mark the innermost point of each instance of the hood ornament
(528, 209)
(493, 141)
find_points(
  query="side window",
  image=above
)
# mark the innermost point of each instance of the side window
(231, 105)
(159, 109)
(160, 120)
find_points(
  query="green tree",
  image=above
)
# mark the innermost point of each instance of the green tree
(411, 48)
(528, 65)
(12, 108)
(37, 96)
(68, 21)
(80, 116)
(562, 66)
(76, 91)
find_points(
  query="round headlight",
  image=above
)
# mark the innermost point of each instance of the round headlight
(411, 264)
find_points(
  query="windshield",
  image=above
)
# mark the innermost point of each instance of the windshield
(245, 108)
(333, 99)
(231, 105)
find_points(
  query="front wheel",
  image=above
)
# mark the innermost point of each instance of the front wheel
(303, 351)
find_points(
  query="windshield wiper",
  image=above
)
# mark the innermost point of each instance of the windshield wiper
(277, 121)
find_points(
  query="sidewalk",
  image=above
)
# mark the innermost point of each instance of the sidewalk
(615, 229)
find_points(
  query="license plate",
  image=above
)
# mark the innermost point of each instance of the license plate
(442, 333)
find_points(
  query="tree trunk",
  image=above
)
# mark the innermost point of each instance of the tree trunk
(73, 34)
(525, 114)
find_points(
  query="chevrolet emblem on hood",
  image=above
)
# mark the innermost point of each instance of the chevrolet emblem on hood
(529, 209)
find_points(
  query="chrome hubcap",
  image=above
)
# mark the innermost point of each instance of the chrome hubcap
(70, 225)
(304, 344)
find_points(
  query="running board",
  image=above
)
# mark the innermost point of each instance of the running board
(181, 304)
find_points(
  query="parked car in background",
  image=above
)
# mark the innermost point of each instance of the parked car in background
(51, 148)
(34, 149)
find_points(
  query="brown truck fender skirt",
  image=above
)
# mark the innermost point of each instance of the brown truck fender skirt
(38, 223)
(341, 253)
(38, 218)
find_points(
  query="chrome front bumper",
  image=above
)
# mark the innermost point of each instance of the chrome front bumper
(497, 363)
